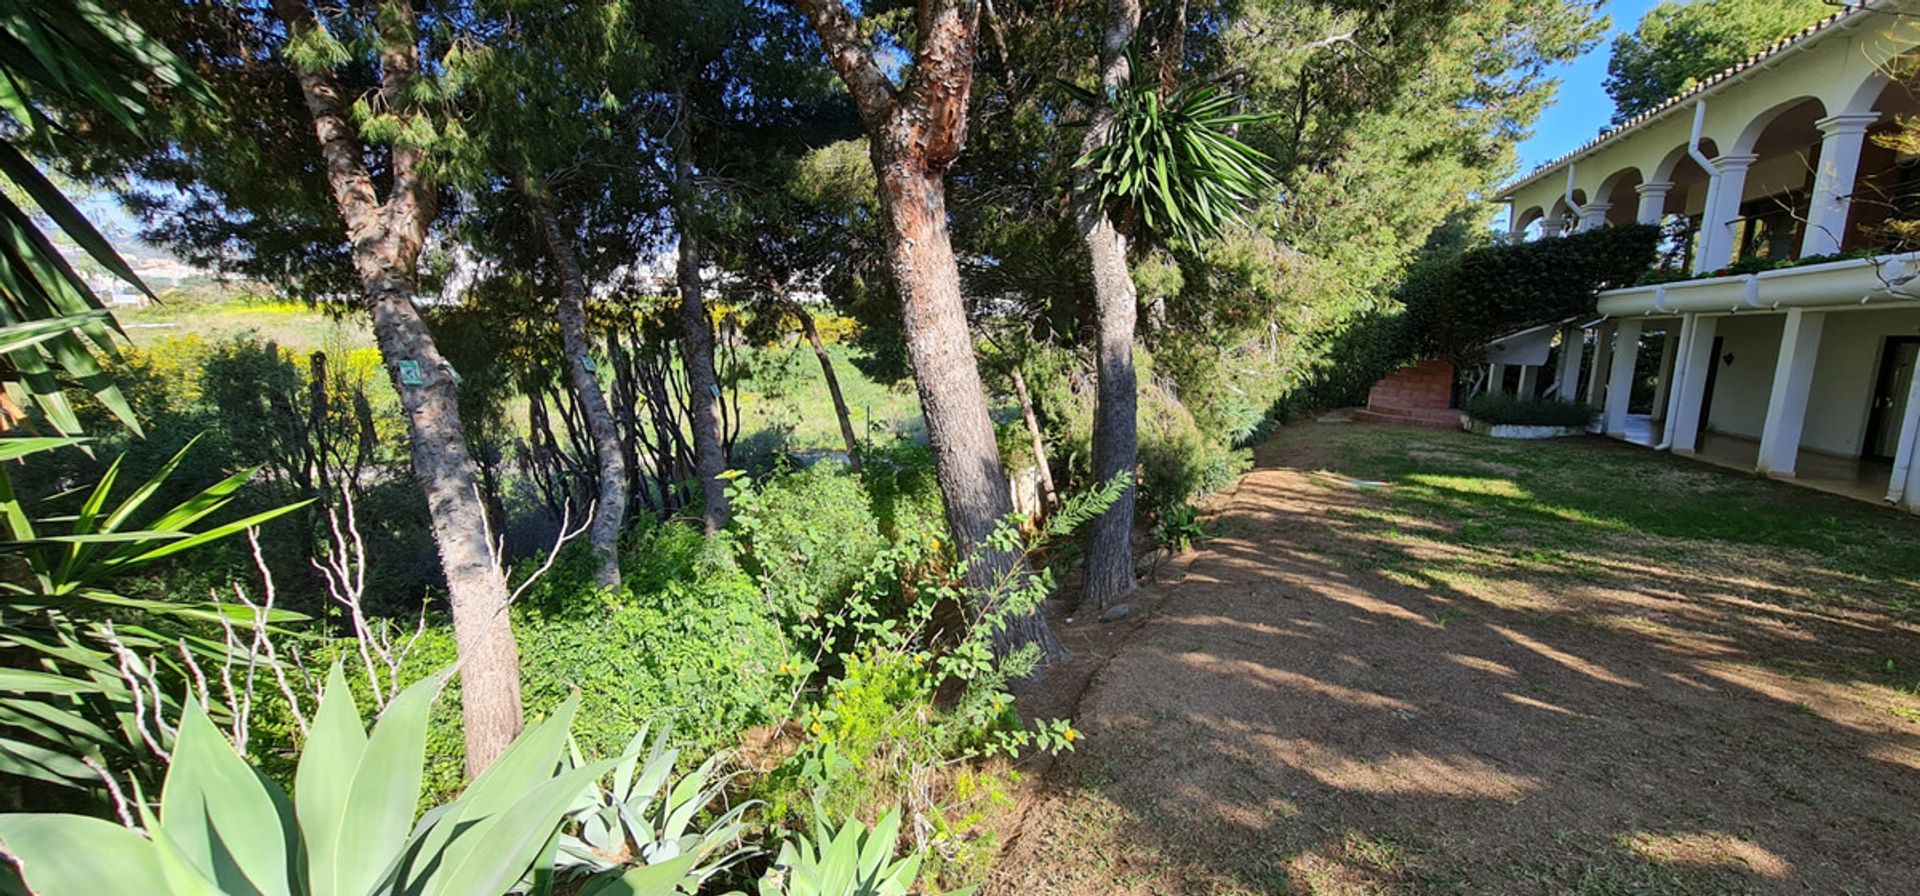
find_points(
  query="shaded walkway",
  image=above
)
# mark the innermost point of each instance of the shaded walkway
(1419, 662)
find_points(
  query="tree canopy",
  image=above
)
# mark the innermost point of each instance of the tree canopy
(1680, 42)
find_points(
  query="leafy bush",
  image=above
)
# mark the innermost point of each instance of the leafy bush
(1177, 461)
(806, 535)
(687, 639)
(1501, 408)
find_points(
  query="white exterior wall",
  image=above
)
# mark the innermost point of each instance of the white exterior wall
(1843, 380)
(1740, 389)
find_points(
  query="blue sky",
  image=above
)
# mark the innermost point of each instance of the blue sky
(1582, 107)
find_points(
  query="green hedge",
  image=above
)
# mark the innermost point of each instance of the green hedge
(1507, 409)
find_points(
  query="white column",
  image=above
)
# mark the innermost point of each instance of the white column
(1602, 355)
(1516, 237)
(1842, 138)
(1594, 216)
(1792, 380)
(1573, 348)
(1723, 206)
(1664, 388)
(1551, 227)
(1496, 378)
(1653, 202)
(1626, 349)
(1681, 374)
(1903, 486)
(1529, 380)
(1685, 413)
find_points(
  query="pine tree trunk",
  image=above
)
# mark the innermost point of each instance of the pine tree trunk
(476, 586)
(1048, 496)
(833, 383)
(387, 236)
(696, 335)
(966, 456)
(914, 133)
(1115, 423)
(610, 504)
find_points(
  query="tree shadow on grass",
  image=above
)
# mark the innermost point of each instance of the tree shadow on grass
(1459, 686)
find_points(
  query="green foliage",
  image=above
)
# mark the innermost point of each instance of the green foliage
(852, 861)
(1506, 408)
(807, 536)
(1179, 528)
(691, 637)
(348, 828)
(1172, 160)
(72, 635)
(1455, 309)
(1178, 462)
(1681, 42)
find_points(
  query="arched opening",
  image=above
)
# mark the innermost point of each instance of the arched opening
(1686, 202)
(1774, 196)
(1562, 218)
(1886, 191)
(1527, 223)
(1617, 193)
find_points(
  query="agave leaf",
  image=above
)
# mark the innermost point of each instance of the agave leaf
(499, 849)
(231, 823)
(385, 789)
(45, 846)
(664, 879)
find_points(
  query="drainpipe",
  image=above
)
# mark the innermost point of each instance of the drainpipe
(1579, 213)
(1707, 232)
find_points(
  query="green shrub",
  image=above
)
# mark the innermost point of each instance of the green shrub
(686, 640)
(1177, 461)
(1501, 408)
(807, 536)
(904, 492)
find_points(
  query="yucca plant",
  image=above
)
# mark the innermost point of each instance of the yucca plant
(68, 698)
(853, 861)
(349, 828)
(1173, 164)
(74, 55)
(646, 819)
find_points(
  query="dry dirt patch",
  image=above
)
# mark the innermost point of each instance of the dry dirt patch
(1345, 693)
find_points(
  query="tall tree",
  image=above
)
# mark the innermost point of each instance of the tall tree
(1116, 306)
(386, 235)
(1680, 42)
(696, 322)
(541, 117)
(915, 128)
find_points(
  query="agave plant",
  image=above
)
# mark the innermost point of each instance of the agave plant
(646, 820)
(349, 828)
(853, 861)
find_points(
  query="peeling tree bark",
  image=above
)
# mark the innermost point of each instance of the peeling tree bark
(1116, 405)
(386, 239)
(915, 130)
(696, 333)
(610, 501)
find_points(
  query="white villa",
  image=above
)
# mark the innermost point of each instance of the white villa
(1805, 372)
